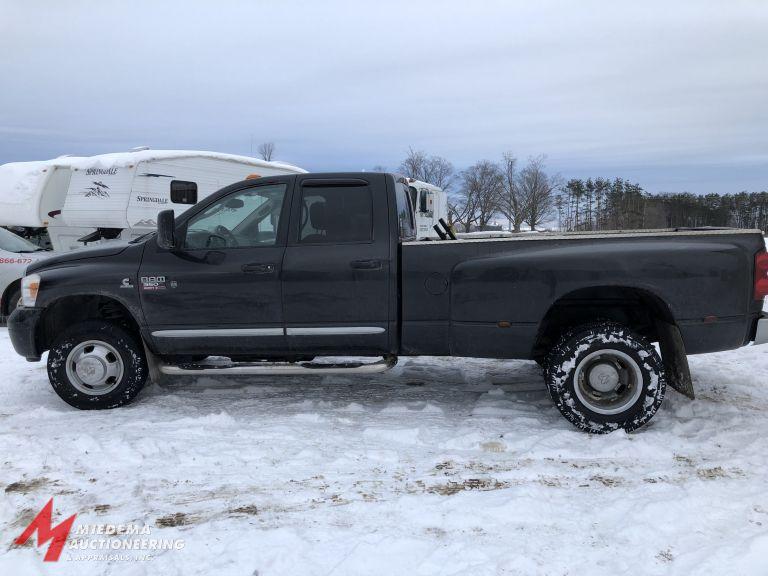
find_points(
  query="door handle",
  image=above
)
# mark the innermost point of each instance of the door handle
(255, 268)
(366, 264)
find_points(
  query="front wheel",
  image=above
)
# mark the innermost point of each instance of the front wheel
(603, 377)
(96, 365)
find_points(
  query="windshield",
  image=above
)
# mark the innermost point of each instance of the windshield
(12, 243)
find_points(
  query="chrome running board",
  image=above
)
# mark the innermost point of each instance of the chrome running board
(278, 368)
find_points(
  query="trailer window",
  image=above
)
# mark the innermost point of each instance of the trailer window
(336, 215)
(183, 192)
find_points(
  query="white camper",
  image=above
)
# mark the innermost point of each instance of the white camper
(89, 199)
(430, 203)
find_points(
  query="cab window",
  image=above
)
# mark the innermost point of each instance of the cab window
(244, 218)
(336, 215)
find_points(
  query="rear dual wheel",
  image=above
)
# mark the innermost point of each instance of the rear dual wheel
(603, 377)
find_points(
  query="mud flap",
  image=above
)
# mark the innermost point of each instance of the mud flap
(153, 363)
(675, 361)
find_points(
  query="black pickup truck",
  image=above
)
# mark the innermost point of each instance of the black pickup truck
(276, 273)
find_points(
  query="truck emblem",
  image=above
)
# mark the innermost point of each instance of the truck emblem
(126, 283)
(98, 189)
(153, 282)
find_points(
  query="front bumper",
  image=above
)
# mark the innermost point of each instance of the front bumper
(761, 334)
(22, 329)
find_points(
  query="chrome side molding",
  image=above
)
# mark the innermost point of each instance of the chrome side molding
(239, 332)
(211, 333)
(339, 330)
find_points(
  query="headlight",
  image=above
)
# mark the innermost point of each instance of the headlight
(30, 285)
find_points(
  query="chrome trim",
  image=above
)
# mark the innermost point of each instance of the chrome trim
(615, 388)
(280, 368)
(761, 336)
(94, 367)
(668, 232)
(337, 330)
(218, 332)
(307, 331)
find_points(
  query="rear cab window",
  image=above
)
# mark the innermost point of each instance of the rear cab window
(336, 214)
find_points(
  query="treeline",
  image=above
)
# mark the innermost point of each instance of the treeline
(528, 195)
(601, 204)
(489, 190)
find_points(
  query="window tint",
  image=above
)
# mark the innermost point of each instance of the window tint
(247, 217)
(183, 192)
(404, 210)
(336, 215)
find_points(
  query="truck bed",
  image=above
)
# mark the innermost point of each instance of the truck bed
(493, 297)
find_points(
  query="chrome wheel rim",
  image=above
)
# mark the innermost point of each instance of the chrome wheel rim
(608, 381)
(94, 367)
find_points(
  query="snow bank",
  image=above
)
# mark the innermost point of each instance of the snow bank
(441, 466)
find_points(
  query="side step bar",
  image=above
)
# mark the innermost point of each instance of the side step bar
(278, 368)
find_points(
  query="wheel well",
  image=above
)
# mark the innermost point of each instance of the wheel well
(6, 309)
(634, 307)
(71, 310)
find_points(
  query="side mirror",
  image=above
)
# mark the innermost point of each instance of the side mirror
(166, 230)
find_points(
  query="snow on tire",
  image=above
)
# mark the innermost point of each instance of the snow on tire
(603, 377)
(96, 365)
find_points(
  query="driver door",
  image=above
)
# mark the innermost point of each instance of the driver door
(219, 292)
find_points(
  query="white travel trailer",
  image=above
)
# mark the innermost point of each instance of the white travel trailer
(430, 203)
(88, 199)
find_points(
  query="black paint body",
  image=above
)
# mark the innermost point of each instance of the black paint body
(478, 298)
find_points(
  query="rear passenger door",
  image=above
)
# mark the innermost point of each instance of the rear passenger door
(336, 271)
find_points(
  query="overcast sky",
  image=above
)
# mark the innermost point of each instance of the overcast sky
(673, 95)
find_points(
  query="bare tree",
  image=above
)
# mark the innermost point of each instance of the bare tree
(537, 188)
(478, 201)
(414, 165)
(512, 203)
(267, 150)
(440, 173)
(432, 169)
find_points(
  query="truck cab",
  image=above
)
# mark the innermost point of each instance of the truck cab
(282, 266)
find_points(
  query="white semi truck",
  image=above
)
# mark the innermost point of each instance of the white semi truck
(430, 204)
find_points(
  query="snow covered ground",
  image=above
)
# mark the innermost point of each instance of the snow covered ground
(441, 466)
